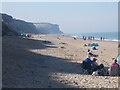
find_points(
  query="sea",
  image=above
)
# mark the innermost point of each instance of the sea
(109, 36)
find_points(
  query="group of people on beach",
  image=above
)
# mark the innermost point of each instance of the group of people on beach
(91, 66)
(92, 38)
(90, 63)
(89, 38)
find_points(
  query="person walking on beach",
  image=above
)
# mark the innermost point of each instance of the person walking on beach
(83, 37)
(91, 38)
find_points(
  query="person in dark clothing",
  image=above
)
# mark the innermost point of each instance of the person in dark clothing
(91, 54)
(94, 48)
(95, 66)
(87, 65)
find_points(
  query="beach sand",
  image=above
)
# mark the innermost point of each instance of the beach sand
(37, 63)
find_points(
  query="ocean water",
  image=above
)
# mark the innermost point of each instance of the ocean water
(110, 36)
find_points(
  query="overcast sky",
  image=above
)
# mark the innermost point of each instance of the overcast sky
(72, 17)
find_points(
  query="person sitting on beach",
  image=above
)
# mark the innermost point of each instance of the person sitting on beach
(99, 68)
(87, 65)
(58, 38)
(94, 48)
(85, 45)
(74, 38)
(91, 54)
(95, 66)
(114, 69)
(115, 62)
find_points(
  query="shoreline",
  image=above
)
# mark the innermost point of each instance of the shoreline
(61, 35)
(116, 40)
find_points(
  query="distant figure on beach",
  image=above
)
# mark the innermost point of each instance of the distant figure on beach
(85, 45)
(84, 38)
(91, 38)
(58, 38)
(101, 38)
(90, 54)
(74, 37)
(94, 48)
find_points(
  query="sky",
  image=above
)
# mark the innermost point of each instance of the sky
(72, 17)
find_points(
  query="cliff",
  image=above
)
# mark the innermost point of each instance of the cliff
(18, 26)
(48, 28)
(14, 26)
(8, 31)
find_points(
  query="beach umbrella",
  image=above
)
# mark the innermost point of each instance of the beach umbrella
(118, 59)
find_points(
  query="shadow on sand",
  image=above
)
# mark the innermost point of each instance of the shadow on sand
(24, 69)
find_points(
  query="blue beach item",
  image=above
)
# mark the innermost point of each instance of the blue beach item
(118, 59)
(91, 45)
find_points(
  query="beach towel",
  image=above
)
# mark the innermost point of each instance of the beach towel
(91, 45)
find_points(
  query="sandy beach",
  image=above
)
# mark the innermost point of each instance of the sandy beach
(46, 61)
